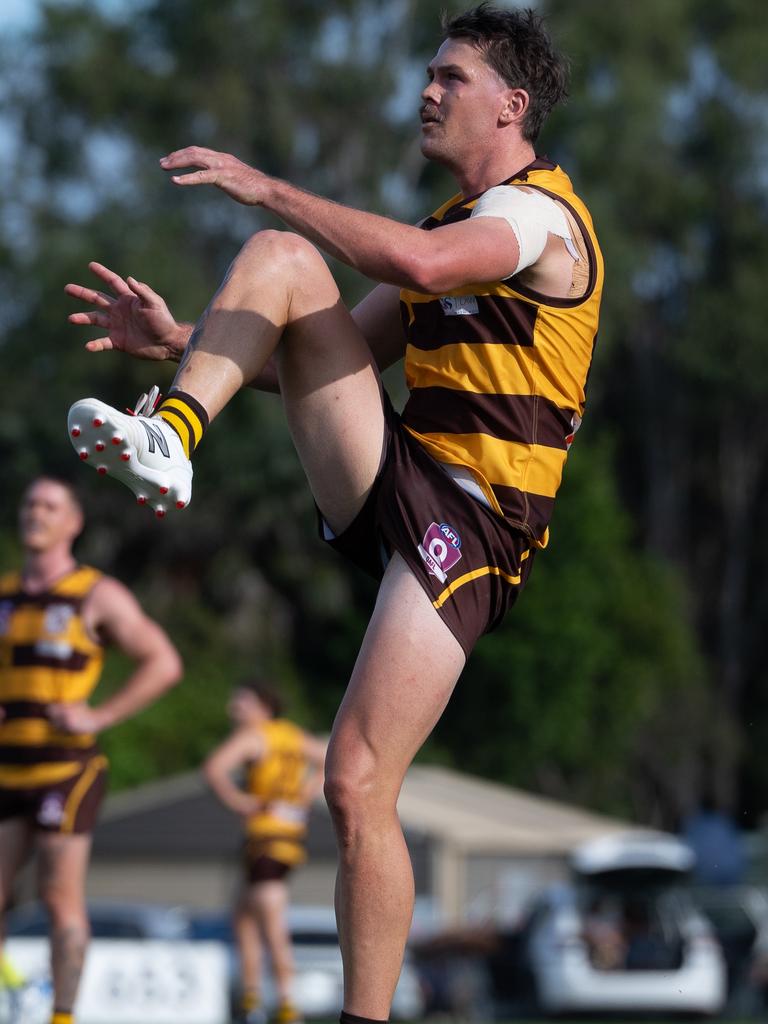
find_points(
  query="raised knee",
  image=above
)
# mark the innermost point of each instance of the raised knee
(279, 252)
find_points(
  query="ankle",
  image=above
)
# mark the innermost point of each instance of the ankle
(186, 416)
(249, 1000)
(352, 1018)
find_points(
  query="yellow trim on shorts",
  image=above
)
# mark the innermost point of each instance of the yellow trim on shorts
(75, 798)
(486, 570)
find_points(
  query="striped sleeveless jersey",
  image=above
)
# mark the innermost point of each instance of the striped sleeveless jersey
(497, 372)
(46, 657)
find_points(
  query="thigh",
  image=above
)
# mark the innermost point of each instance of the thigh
(15, 840)
(268, 898)
(332, 395)
(269, 903)
(404, 675)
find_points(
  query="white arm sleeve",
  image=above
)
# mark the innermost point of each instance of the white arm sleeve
(531, 215)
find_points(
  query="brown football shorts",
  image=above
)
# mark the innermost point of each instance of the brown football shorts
(68, 807)
(469, 560)
(262, 860)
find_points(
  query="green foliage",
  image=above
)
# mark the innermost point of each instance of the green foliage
(591, 664)
(637, 649)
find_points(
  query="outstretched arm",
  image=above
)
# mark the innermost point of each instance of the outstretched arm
(113, 613)
(483, 249)
(243, 745)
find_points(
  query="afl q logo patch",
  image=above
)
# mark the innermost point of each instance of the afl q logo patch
(440, 549)
(51, 811)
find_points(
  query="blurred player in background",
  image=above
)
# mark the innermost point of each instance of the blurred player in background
(55, 618)
(494, 303)
(283, 768)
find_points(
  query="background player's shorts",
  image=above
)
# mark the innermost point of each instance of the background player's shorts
(265, 869)
(68, 807)
(469, 560)
(267, 860)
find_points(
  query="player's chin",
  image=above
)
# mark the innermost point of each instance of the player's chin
(34, 540)
(430, 146)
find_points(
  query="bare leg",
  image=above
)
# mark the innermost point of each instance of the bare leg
(279, 297)
(62, 871)
(248, 939)
(404, 675)
(269, 901)
(15, 840)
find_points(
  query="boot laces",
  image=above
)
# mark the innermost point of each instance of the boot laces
(147, 403)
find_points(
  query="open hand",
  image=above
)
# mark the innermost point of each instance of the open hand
(136, 319)
(238, 180)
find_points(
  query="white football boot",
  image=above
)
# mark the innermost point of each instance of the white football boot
(139, 449)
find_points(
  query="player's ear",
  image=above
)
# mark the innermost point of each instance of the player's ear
(514, 106)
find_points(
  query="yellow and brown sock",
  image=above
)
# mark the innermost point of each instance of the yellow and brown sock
(62, 1017)
(352, 1018)
(187, 417)
(286, 1013)
(249, 1000)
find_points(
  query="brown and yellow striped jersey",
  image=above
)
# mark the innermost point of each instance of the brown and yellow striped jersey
(497, 372)
(278, 778)
(46, 657)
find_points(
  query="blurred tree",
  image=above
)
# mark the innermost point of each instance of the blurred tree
(668, 132)
(594, 689)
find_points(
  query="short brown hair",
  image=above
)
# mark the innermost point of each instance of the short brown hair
(268, 696)
(517, 45)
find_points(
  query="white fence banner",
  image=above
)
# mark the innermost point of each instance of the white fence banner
(132, 981)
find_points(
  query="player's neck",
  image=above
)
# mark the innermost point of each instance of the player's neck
(489, 169)
(41, 569)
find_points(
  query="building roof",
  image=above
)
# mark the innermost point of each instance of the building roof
(476, 815)
(178, 816)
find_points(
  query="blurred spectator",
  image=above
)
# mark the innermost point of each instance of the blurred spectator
(603, 936)
(718, 845)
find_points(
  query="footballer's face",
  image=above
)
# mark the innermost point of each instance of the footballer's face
(245, 708)
(48, 517)
(462, 105)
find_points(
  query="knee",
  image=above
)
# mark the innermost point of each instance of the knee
(352, 798)
(63, 910)
(282, 253)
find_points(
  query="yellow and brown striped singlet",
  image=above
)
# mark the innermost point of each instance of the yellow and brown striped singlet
(278, 779)
(46, 657)
(497, 372)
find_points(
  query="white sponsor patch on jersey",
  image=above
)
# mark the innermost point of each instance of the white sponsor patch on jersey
(459, 305)
(57, 618)
(6, 611)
